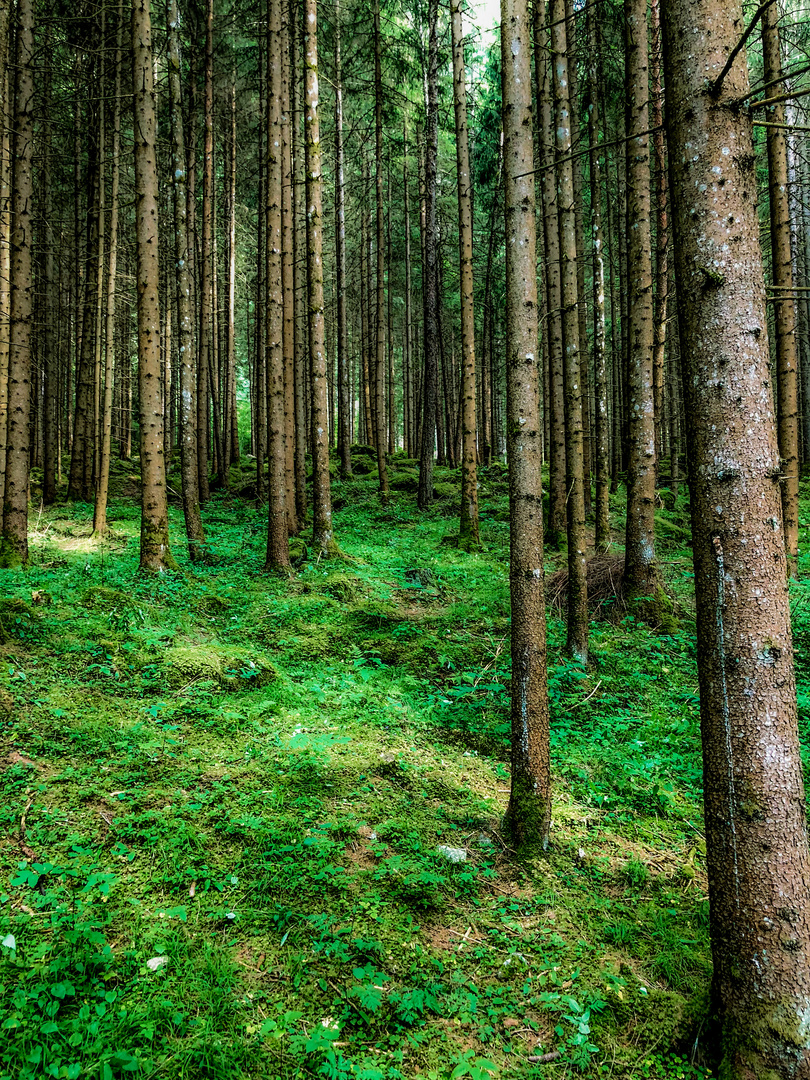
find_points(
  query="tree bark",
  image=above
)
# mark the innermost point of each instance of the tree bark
(197, 546)
(756, 839)
(14, 539)
(784, 307)
(344, 399)
(468, 528)
(155, 553)
(379, 366)
(424, 495)
(322, 532)
(529, 813)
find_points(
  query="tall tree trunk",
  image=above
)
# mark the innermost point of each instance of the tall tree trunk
(756, 830)
(288, 269)
(155, 554)
(468, 527)
(278, 551)
(231, 436)
(6, 94)
(379, 366)
(601, 450)
(640, 570)
(784, 307)
(577, 643)
(103, 482)
(429, 267)
(556, 523)
(206, 291)
(14, 538)
(197, 547)
(51, 349)
(344, 398)
(662, 227)
(322, 532)
(299, 269)
(529, 814)
(408, 397)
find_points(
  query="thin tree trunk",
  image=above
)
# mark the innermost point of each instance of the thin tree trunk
(784, 308)
(299, 270)
(278, 551)
(379, 372)
(468, 527)
(344, 399)
(577, 643)
(322, 532)
(529, 813)
(197, 547)
(103, 482)
(429, 267)
(14, 538)
(155, 554)
(288, 269)
(206, 293)
(662, 227)
(602, 507)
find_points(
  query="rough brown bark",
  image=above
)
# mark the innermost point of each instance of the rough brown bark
(195, 533)
(468, 527)
(322, 532)
(784, 307)
(344, 400)
(529, 813)
(6, 92)
(756, 841)
(299, 269)
(577, 621)
(661, 230)
(601, 427)
(641, 580)
(555, 525)
(288, 271)
(205, 286)
(379, 365)
(155, 553)
(278, 552)
(14, 538)
(430, 374)
(103, 482)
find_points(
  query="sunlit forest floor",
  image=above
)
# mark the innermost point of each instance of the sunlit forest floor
(231, 805)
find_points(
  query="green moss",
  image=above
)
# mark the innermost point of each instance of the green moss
(405, 480)
(230, 667)
(102, 598)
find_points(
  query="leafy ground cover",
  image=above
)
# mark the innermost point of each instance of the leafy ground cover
(230, 805)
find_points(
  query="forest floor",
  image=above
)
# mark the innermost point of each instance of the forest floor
(230, 805)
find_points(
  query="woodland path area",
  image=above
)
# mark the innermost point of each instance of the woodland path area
(232, 801)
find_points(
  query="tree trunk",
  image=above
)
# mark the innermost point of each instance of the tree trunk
(756, 839)
(601, 448)
(661, 231)
(288, 268)
(322, 534)
(784, 307)
(379, 367)
(344, 398)
(529, 813)
(14, 539)
(299, 270)
(197, 547)
(103, 481)
(278, 550)
(641, 581)
(429, 267)
(206, 292)
(468, 528)
(155, 554)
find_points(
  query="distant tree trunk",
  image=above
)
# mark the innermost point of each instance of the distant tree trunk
(429, 267)
(260, 380)
(155, 554)
(529, 813)
(322, 531)
(344, 398)
(640, 570)
(468, 528)
(756, 828)
(288, 267)
(784, 307)
(50, 344)
(379, 377)
(278, 550)
(577, 643)
(103, 482)
(206, 292)
(197, 547)
(231, 434)
(601, 448)
(555, 525)
(409, 423)
(14, 539)
(299, 269)
(662, 227)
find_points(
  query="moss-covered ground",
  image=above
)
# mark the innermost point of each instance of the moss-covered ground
(225, 795)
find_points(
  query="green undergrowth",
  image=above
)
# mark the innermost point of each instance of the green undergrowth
(225, 797)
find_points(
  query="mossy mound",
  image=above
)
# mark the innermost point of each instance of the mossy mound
(364, 466)
(343, 588)
(404, 480)
(404, 463)
(13, 611)
(230, 667)
(102, 598)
